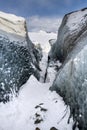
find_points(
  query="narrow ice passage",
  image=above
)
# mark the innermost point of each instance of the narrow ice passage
(36, 105)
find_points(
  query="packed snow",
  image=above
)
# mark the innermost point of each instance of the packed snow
(35, 103)
(36, 106)
(12, 24)
(11, 17)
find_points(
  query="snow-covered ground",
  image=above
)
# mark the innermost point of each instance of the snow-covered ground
(43, 38)
(36, 105)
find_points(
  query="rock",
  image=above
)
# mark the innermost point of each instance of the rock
(52, 41)
(37, 115)
(37, 128)
(37, 121)
(72, 27)
(53, 128)
(71, 79)
(17, 58)
(43, 109)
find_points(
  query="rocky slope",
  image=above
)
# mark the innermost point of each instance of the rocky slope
(18, 56)
(71, 80)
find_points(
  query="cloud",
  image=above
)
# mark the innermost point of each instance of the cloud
(49, 24)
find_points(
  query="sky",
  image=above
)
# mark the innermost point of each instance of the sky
(39, 10)
(28, 8)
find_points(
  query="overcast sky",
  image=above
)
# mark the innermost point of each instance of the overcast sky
(41, 9)
(28, 8)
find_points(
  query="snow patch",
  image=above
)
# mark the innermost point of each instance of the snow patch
(12, 24)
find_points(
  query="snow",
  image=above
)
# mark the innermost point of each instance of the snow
(43, 38)
(75, 19)
(11, 17)
(12, 24)
(35, 101)
(20, 114)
